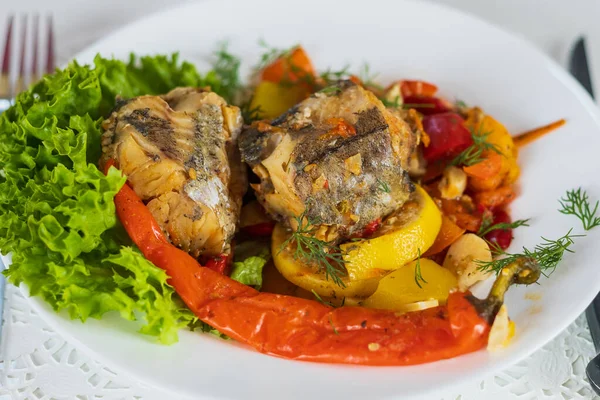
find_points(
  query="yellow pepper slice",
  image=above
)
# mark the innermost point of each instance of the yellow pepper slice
(272, 99)
(404, 234)
(404, 287)
(412, 228)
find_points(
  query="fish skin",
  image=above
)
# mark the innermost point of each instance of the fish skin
(179, 152)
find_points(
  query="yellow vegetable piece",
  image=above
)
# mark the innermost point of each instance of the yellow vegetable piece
(502, 331)
(307, 277)
(399, 290)
(404, 234)
(499, 136)
(273, 99)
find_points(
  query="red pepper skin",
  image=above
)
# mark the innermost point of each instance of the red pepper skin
(304, 329)
(449, 136)
(429, 105)
(220, 263)
(502, 237)
(262, 229)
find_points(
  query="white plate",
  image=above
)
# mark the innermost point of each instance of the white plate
(467, 59)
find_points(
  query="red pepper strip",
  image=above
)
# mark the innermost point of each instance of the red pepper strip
(304, 329)
(261, 229)
(220, 263)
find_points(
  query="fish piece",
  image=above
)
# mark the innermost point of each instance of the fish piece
(340, 156)
(179, 152)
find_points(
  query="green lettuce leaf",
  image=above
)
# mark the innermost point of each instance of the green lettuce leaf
(57, 215)
(248, 262)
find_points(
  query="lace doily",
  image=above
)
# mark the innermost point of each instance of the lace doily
(36, 363)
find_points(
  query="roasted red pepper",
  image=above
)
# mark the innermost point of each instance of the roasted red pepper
(307, 330)
(262, 229)
(220, 263)
(449, 136)
(427, 105)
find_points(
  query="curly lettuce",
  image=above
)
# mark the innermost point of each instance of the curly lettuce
(57, 215)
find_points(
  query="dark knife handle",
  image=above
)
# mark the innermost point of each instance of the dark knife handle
(592, 314)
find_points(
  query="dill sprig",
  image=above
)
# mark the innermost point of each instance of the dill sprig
(396, 103)
(250, 114)
(547, 254)
(418, 276)
(383, 186)
(324, 255)
(327, 303)
(368, 78)
(270, 54)
(487, 226)
(330, 76)
(226, 67)
(333, 326)
(576, 202)
(474, 153)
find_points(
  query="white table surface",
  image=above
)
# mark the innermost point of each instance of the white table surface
(36, 363)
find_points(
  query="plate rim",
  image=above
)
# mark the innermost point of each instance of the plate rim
(553, 66)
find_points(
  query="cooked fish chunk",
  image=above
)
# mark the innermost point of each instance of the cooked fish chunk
(180, 154)
(340, 156)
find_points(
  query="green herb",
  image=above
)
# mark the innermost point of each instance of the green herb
(418, 277)
(460, 104)
(249, 259)
(474, 153)
(547, 254)
(250, 114)
(325, 256)
(383, 186)
(270, 54)
(57, 214)
(576, 203)
(396, 103)
(226, 67)
(487, 227)
(331, 90)
(368, 78)
(330, 76)
(333, 326)
(327, 303)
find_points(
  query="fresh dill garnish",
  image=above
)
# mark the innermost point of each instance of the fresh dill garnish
(383, 186)
(324, 255)
(368, 78)
(396, 103)
(547, 254)
(250, 114)
(474, 153)
(270, 54)
(330, 76)
(226, 67)
(576, 202)
(487, 226)
(331, 90)
(327, 303)
(460, 104)
(333, 326)
(418, 276)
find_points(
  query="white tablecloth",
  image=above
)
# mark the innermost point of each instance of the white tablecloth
(37, 363)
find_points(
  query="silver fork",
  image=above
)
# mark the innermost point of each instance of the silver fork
(13, 81)
(15, 77)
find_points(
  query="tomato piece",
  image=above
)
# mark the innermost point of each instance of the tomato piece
(449, 136)
(417, 88)
(501, 237)
(427, 105)
(290, 68)
(369, 229)
(262, 229)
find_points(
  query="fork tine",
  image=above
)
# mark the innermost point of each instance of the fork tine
(34, 61)
(5, 72)
(50, 55)
(21, 79)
